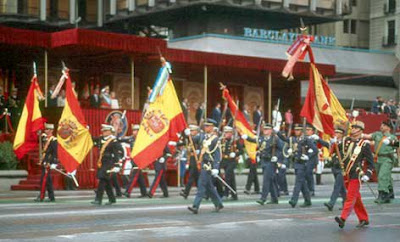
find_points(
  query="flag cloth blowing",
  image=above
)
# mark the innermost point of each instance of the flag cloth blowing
(162, 120)
(30, 123)
(321, 107)
(74, 139)
(242, 125)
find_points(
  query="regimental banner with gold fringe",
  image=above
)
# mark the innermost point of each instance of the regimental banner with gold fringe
(242, 125)
(162, 120)
(74, 139)
(30, 123)
(321, 107)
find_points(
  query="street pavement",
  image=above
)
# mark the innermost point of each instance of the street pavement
(73, 218)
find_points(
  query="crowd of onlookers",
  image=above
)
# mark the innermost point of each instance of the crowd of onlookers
(389, 107)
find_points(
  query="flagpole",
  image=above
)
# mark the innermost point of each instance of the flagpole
(45, 78)
(269, 96)
(133, 84)
(205, 91)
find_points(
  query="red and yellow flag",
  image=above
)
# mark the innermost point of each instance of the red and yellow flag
(30, 122)
(74, 139)
(321, 107)
(242, 125)
(161, 122)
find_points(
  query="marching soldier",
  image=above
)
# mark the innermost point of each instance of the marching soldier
(230, 151)
(354, 150)
(384, 159)
(252, 176)
(48, 163)
(160, 168)
(337, 171)
(312, 162)
(111, 153)
(136, 175)
(304, 149)
(197, 138)
(269, 147)
(210, 157)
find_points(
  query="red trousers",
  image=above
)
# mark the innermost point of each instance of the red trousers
(353, 200)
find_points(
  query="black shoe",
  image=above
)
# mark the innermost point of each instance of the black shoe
(391, 193)
(362, 224)
(219, 208)
(183, 194)
(193, 210)
(261, 202)
(126, 194)
(247, 192)
(110, 202)
(340, 222)
(292, 203)
(96, 202)
(273, 202)
(306, 204)
(48, 200)
(149, 195)
(329, 206)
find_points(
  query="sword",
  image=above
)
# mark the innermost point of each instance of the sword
(226, 184)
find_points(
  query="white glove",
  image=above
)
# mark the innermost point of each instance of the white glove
(274, 159)
(314, 137)
(187, 166)
(283, 166)
(245, 136)
(161, 160)
(214, 172)
(333, 140)
(290, 151)
(364, 178)
(187, 132)
(304, 157)
(172, 143)
(197, 152)
(310, 151)
(276, 129)
(258, 159)
(53, 166)
(386, 141)
(232, 155)
(116, 169)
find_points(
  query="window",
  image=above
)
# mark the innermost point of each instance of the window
(346, 26)
(391, 39)
(353, 3)
(353, 27)
(392, 6)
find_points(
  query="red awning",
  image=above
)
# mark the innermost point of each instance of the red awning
(143, 45)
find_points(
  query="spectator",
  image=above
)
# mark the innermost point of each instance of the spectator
(95, 99)
(61, 98)
(377, 105)
(199, 113)
(216, 113)
(114, 101)
(392, 107)
(51, 102)
(257, 114)
(276, 117)
(105, 97)
(246, 112)
(289, 117)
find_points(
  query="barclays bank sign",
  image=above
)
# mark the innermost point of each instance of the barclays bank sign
(288, 37)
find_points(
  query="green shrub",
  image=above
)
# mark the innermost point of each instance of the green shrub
(8, 160)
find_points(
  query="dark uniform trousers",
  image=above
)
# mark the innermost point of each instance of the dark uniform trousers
(136, 177)
(252, 177)
(230, 166)
(300, 183)
(206, 188)
(115, 184)
(46, 183)
(159, 179)
(193, 175)
(269, 185)
(310, 165)
(282, 182)
(105, 184)
(338, 188)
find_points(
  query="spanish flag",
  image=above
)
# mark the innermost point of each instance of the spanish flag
(242, 125)
(161, 122)
(321, 107)
(30, 122)
(74, 139)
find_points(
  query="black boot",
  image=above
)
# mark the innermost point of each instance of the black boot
(318, 179)
(340, 221)
(385, 197)
(391, 193)
(329, 206)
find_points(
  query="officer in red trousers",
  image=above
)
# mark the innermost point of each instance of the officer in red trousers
(354, 150)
